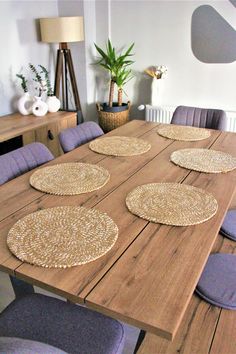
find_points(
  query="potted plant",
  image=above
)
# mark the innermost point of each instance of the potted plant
(39, 108)
(113, 114)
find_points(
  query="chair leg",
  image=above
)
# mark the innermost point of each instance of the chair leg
(20, 287)
(139, 341)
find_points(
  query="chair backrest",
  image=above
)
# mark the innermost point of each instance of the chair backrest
(71, 138)
(200, 117)
(12, 345)
(24, 159)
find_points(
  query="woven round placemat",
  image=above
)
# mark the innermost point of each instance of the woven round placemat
(171, 204)
(184, 133)
(120, 146)
(204, 160)
(69, 178)
(62, 237)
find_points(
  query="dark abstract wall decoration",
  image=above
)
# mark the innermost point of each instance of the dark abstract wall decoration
(213, 39)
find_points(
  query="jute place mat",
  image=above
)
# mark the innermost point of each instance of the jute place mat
(62, 237)
(204, 160)
(120, 146)
(171, 204)
(69, 178)
(184, 133)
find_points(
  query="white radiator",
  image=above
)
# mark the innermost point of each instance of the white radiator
(231, 124)
(163, 114)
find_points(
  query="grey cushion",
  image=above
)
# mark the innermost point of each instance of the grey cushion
(217, 284)
(11, 345)
(228, 228)
(71, 138)
(22, 160)
(71, 328)
(200, 117)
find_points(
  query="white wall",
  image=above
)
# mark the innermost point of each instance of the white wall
(161, 31)
(19, 36)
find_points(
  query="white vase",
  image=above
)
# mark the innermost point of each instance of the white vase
(25, 103)
(39, 107)
(156, 92)
(53, 104)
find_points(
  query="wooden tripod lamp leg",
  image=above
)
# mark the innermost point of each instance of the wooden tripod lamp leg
(59, 73)
(74, 85)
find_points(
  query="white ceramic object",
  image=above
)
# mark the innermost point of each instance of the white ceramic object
(39, 107)
(53, 104)
(157, 88)
(25, 103)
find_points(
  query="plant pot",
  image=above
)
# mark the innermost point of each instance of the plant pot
(39, 107)
(112, 117)
(115, 108)
(25, 103)
(53, 104)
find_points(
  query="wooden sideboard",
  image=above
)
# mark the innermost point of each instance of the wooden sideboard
(42, 129)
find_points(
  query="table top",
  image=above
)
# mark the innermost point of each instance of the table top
(147, 279)
(16, 124)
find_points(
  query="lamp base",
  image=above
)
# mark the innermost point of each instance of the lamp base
(63, 66)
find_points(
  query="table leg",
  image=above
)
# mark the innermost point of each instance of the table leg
(20, 287)
(139, 341)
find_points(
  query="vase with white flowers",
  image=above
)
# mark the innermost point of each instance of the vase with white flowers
(52, 101)
(158, 73)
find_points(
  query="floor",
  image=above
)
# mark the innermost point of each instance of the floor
(7, 295)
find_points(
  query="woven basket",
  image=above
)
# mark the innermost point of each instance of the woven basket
(112, 120)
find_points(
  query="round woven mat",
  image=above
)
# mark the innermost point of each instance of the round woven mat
(62, 237)
(171, 204)
(120, 146)
(69, 178)
(204, 160)
(184, 133)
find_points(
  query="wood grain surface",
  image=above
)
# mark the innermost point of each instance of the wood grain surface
(16, 124)
(205, 329)
(148, 277)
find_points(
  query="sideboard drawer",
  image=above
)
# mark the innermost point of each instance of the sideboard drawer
(48, 135)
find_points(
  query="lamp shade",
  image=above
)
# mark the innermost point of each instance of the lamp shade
(62, 29)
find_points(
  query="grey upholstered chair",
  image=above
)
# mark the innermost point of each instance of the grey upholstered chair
(65, 327)
(14, 164)
(217, 283)
(228, 228)
(200, 117)
(24, 159)
(71, 138)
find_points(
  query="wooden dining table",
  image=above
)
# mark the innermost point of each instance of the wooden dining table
(148, 278)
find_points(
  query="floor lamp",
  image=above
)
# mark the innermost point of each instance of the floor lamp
(63, 30)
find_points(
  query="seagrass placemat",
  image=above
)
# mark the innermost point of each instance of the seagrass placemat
(120, 146)
(62, 237)
(204, 160)
(171, 204)
(184, 133)
(69, 178)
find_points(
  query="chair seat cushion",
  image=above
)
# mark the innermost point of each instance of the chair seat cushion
(11, 345)
(217, 284)
(228, 228)
(69, 327)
